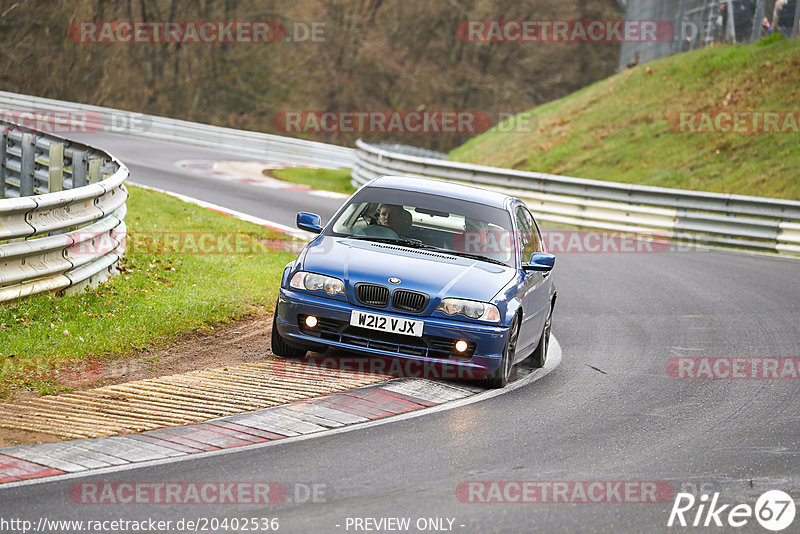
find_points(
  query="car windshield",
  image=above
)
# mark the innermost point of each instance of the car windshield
(432, 222)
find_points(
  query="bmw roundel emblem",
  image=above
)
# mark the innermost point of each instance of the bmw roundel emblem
(394, 281)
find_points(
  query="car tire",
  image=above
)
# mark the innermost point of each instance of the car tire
(538, 357)
(500, 377)
(279, 345)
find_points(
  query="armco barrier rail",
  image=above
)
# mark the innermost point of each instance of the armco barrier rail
(754, 223)
(704, 218)
(273, 148)
(62, 213)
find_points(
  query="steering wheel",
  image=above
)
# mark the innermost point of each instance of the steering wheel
(376, 230)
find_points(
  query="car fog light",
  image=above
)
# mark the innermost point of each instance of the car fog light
(311, 321)
(461, 346)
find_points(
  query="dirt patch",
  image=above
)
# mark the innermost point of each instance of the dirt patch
(11, 437)
(243, 340)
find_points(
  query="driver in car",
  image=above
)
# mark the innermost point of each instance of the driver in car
(394, 217)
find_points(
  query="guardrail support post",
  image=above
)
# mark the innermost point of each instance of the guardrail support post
(730, 27)
(106, 171)
(3, 145)
(56, 182)
(79, 171)
(27, 165)
(796, 26)
(94, 170)
(757, 20)
(677, 42)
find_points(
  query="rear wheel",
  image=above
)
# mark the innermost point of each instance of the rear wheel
(499, 378)
(279, 345)
(538, 357)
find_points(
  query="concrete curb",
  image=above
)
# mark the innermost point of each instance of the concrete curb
(290, 420)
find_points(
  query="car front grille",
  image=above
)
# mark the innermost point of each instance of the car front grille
(409, 301)
(426, 346)
(402, 300)
(372, 295)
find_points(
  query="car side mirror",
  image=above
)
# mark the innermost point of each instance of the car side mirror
(310, 222)
(540, 261)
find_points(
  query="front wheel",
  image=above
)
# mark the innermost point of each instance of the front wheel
(538, 357)
(279, 345)
(499, 378)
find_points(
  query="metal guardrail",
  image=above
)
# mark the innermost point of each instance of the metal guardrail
(747, 222)
(62, 213)
(253, 144)
(704, 218)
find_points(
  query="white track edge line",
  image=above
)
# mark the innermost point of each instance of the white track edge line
(299, 234)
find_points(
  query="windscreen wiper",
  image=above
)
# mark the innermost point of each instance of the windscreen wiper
(474, 256)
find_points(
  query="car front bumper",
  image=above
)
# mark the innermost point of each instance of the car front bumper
(486, 342)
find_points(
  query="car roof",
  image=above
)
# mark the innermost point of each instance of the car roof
(444, 188)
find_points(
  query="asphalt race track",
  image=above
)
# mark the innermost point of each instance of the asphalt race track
(153, 164)
(609, 412)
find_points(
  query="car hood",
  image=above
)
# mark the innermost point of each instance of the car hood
(438, 275)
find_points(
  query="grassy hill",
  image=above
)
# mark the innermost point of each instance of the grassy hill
(627, 128)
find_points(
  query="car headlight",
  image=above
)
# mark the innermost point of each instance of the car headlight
(317, 282)
(483, 311)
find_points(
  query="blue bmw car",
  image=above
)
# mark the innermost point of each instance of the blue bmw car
(423, 270)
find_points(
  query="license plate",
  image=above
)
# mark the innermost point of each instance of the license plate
(385, 323)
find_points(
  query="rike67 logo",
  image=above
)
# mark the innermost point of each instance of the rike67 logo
(774, 510)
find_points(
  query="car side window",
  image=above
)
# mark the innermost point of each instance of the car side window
(529, 241)
(537, 234)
